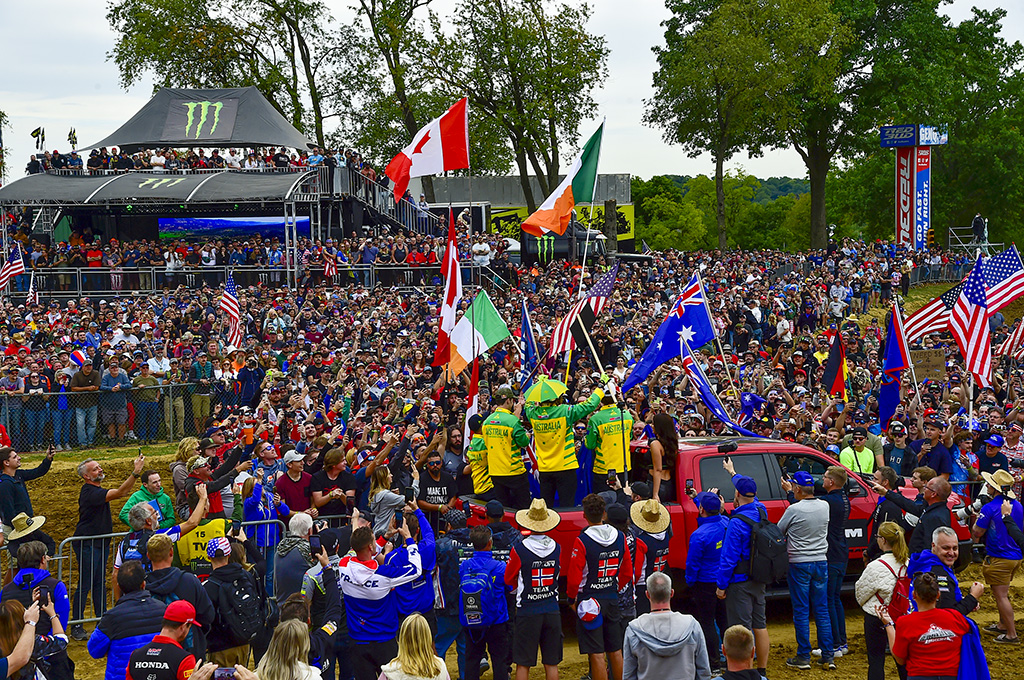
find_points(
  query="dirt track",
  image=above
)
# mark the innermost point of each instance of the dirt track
(56, 497)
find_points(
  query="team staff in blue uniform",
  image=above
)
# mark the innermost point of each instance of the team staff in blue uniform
(702, 559)
(744, 598)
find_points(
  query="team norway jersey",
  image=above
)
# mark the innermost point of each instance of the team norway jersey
(600, 565)
(533, 572)
(652, 554)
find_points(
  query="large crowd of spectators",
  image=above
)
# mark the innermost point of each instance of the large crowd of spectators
(328, 413)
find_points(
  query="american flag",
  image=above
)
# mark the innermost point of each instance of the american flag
(12, 267)
(1004, 275)
(646, 249)
(229, 305)
(542, 577)
(587, 309)
(33, 293)
(969, 325)
(1012, 346)
(330, 264)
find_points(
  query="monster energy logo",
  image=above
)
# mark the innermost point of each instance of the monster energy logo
(545, 248)
(204, 114)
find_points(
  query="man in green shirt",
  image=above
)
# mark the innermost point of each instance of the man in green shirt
(152, 492)
(146, 400)
(857, 456)
(505, 437)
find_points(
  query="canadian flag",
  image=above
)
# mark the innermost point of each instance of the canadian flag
(443, 144)
(452, 295)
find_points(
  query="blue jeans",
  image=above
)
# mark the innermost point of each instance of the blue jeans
(85, 418)
(61, 426)
(808, 587)
(836, 572)
(450, 630)
(147, 417)
(268, 580)
(35, 423)
(92, 576)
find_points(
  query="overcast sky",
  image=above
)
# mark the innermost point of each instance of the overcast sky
(55, 74)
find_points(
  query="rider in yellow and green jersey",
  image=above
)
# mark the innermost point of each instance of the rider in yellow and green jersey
(505, 437)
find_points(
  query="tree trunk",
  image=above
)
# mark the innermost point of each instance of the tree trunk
(720, 200)
(524, 181)
(817, 170)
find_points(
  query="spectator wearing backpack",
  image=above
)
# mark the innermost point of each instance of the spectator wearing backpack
(702, 557)
(482, 607)
(532, 574)
(236, 600)
(371, 613)
(599, 567)
(131, 623)
(293, 556)
(805, 525)
(453, 548)
(319, 606)
(170, 584)
(744, 597)
(878, 585)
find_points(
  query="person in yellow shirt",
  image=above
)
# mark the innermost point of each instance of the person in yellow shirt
(505, 437)
(476, 455)
(556, 451)
(608, 434)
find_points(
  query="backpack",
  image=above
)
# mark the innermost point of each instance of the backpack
(241, 608)
(478, 602)
(899, 602)
(769, 560)
(168, 598)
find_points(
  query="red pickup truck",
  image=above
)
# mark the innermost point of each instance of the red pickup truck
(699, 465)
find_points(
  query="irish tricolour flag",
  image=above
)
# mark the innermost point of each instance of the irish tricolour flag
(577, 187)
(480, 329)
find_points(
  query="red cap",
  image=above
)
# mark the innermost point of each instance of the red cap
(180, 611)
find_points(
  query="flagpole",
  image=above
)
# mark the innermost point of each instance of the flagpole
(718, 341)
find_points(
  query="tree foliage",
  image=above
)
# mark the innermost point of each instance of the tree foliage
(527, 66)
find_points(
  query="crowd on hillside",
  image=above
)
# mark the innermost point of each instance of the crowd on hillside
(330, 413)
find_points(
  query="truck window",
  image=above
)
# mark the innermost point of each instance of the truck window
(712, 474)
(790, 464)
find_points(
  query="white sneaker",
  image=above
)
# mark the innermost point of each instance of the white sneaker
(816, 653)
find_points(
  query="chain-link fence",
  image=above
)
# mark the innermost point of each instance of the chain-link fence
(109, 411)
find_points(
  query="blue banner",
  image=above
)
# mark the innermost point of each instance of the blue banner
(932, 135)
(922, 196)
(226, 227)
(898, 135)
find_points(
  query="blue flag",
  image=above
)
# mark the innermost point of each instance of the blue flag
(896, 360)
(689, 320)
(749, 402)
(529, 350)
(707, 394)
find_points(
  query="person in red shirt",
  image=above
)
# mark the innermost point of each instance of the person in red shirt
(600, 566)
(164, 658)
(293, 486)
(927, 641)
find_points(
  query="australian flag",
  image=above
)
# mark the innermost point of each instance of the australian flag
(689, 320)
(529, 350)
(707, 395)
(749, 403)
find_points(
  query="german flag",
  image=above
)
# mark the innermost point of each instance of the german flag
(834, 378)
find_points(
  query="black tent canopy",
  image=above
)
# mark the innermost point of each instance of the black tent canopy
(209, 187)
(230, 117)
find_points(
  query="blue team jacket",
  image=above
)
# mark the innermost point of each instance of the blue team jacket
(418, 595)
(705, 549)
(736, 544)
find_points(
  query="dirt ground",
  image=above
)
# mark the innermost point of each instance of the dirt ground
(56, 497)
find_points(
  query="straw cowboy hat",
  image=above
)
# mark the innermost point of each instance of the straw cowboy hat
(25, 525)
(650, 516)
(538, 518)
(1001, 480)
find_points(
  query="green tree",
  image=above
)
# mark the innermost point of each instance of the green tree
(281, 47)
(737, 191)
(672, 224)
(724, 65)
(529, 67)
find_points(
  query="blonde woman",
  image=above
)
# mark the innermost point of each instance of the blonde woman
(875, 587)
(286, 658)
(187, 447)
(416, 659)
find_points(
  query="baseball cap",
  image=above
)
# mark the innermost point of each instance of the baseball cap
(803, 478)
(897, 427)
(504, 393)
(495, 509)
(293, 457)
(196, 463)
(745, 486)
(212, 431)
(589, 612)
(220, 543)
(455, 518)
(833, 449)
(708, 502)
(996, 440)
(641, 490)
(207, 443)
(180, 611)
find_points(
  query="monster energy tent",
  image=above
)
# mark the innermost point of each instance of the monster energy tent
(233, 117)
